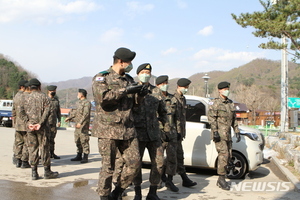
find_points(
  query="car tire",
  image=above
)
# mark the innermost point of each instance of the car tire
(240, 166)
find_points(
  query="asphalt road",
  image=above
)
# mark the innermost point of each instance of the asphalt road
(79, 181)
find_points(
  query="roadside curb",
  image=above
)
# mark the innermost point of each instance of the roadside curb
(289, 175)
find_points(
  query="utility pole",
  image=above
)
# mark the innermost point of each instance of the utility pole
(284, 89)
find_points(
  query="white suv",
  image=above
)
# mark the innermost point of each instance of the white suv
(200, 151)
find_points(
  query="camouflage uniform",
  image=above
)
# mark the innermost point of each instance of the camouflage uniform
(170, 138)
(147, 115)
(180, 117)
(55, 116)
(113, 125)
(20, 143)
(82, 116)
(36, 110)
(221, 116)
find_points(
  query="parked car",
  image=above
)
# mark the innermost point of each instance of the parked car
(6, 112)
(200, 151)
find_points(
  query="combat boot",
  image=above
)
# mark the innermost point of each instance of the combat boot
(34, 173)
(186, 182)
(25, 164)
(85, 158)
(138, 193)
(14, 160)
(78, 157)
(222, 183)
(18, 163)
(53, 155)
(163, 175)
(170, 185)
(49, 174)
(116, 194)
(152, 193)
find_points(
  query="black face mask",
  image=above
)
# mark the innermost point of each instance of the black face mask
(53, 94)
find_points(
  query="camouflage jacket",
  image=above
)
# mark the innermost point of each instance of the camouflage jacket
(36, 109)
(221, 116)
(148, 113)
(113, 116)
(82, 115)
(16, 110)
(180, 114)
(171, 107)
(55, 114)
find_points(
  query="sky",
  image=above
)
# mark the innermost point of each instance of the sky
(59, 40)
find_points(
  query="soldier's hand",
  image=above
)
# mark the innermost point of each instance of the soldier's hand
(58, 124)
(144, 91)
(216, 137)
(78, 125)
(238, 137)
(31, 127)
(67, 119)
(133, 88)
(37, 127)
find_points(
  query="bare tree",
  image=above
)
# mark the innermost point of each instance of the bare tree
(251, 96)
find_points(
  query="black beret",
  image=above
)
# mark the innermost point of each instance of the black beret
(51, 87)
(223, 85)
(82, 91)
(27, 84)
(22, 82)
(143, 66)
(125, 54)
(183, 82)
(35, 82)
(161, 79)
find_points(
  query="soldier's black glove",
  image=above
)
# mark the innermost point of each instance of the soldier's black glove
(216, 137)
(164, 137)
(144, 91)
(238, 137)
(133, 88)
(178, 136)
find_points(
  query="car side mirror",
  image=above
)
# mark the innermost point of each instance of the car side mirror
(204, 119)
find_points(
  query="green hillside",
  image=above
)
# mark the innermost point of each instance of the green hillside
(10, 75)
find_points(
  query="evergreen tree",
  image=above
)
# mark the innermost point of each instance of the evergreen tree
(279, 18)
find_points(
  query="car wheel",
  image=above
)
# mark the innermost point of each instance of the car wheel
(240, 166)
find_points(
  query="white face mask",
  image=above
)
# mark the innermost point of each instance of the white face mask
(184, 90)
(144, 78)
(128, 68)
(225, 93)
(164, 87)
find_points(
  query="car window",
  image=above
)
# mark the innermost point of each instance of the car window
(194, 110)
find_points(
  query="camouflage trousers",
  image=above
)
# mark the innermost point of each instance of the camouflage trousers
(38, 141)
(52, 135)
(82, 141)
(20, 146)
(108, 149)
(118, 168)
(224, 154)
(155, 150)
(170, 162)
(180, 158)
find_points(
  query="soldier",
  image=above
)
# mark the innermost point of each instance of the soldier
(54, 118)
(35, 112)
(182, 88)
(147, 115)
(82, 122)
(113, 123)
(221, 116)
(20, 144)
(169, 139)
